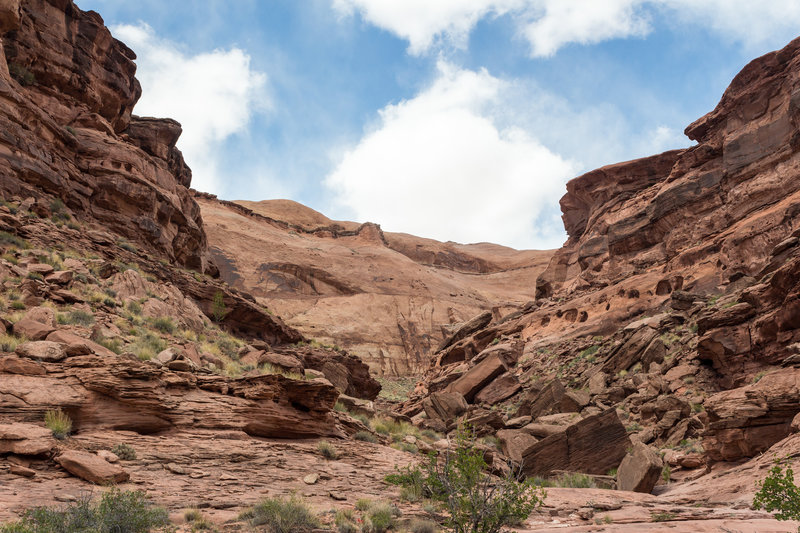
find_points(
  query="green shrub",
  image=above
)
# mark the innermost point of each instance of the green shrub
(778, 494)
(163, 324)
(58, 422)
(327, 450)
(78, 317)
(116, 512)
(124, 451)
(134, 307)
(147, 345)
(365, 436)
(423, 526)
(17, 305)
(281, 515)
(23, 76)
(476, 502)
(380, 518)
(575, 481)
(218, 309)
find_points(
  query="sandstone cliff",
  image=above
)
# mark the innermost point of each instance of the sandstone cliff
(390, 298)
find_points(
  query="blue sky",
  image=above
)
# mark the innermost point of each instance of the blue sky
(451, 119)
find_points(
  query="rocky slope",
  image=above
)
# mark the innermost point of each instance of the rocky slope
(389, 298)
(665, 331)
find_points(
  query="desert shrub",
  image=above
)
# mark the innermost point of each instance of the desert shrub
(281, 515)
(365, 436)
(363, 504)
(778, 494)
(124, 451)
(163, 324)
(9, 343)
(17, 305)
(379, 518)
(58, 422)
(423, 526)
(7, 238)
(147, 345)
(477, 503)
(21, 74)
(575, 481)
(116, 512)
(134, 307)
(218, 309)
(192, 514)
(78, 317)
(327, 450)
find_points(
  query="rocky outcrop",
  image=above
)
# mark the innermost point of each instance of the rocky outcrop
(125, 394)
(68, 91)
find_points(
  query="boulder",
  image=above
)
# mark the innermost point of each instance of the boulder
(640, 470)
(444, 406)
(40, 268)
(77, 345)
(593, 445)
(91, 467)
(32, 329)
(502, 388)
(42, 350)
(18, 365)
(514, 442)
(477, 377)
(357, 405)
(287, 362)
(60, 277)
(44, 315)
(466, 329)
(25, 439)
(629, 352)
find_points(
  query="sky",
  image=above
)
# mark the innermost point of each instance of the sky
(458, 120)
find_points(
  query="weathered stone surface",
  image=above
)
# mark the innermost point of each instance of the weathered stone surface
(25, 439)
(77, 345)
(514, 442)
(32, 329)
(593, 445)
(444, 406)
(357, 405)
(503, 387)
(18, 365)
(91, 467)
(748, 420)
(640, 470)
(466, 329)
(42, 350)
(478, 377)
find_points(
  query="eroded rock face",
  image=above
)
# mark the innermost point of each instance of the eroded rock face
(70, 94)
(125, 394)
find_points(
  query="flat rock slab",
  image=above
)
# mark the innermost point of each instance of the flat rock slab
(91, 467)
(43, 350)
(25, 439)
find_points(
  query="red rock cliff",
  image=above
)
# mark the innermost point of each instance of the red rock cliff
(68, 91)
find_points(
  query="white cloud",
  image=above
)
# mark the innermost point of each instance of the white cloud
(213, 95)
(548, 25)
(447, 165)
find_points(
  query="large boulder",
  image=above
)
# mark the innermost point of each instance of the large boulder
(47, 351)
(91, 467)
(640, 469)
(32, 329)
(593, 445)
(502, 388)
(77, 345)
(444, 406)
(478, 377)
(514, 442)
(25, 439)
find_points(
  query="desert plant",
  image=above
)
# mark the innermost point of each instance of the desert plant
(778, 494)
(380, 518)
(163, 324)
(58, 422)
(117, 511)
(218, 308)
(124, 451)
(477, 502)
(81, 318)
(24, 76)
(422, 526)
(575, 481)
(327, 450)
(365, 436)
(281, 515)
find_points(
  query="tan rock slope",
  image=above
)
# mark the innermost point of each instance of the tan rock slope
(389, 298)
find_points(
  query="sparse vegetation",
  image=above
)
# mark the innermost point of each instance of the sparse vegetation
(575, 481)
(778, 494)
(124, 451)
(58, 422)
(78, 317)
(163, 324)
(218, 309)
(365, 436)
(662, 516)
(477, 503)
(20, 73)
(280, 515)
(116, 512)
(327, 450)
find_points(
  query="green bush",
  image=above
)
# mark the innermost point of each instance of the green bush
(327, 450)
(778, 494)
(218, 308)
(575, 481)
(163, 324)
(116, 512)
(281, 515)
(380, 518)
(58, 422)
(81, 318)
(21, 74)
(477, 503)
(7, 238)
(124, 451)
(423, 526)
(365, 436)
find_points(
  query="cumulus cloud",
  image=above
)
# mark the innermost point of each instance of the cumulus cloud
(213, 95)
(446, 164)
(548, 25)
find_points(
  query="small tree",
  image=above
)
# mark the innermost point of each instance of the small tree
(476, 501)
(218, 308)
(779, 493)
